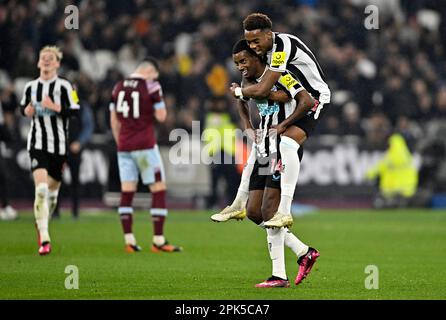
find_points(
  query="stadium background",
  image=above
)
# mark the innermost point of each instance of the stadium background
(384, 80)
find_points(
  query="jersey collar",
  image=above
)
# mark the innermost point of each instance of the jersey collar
(264, 71)
(136, 75)
(48, 81)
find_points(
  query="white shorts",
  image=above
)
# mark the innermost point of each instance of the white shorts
(147, 163)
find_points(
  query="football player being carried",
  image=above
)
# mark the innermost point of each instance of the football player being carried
(285, 52)
(260, 187)
(136, 102)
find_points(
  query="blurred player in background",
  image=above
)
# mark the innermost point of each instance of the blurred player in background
(260, 184)
(397, 175)
(49, 101)
(80, 132)
(6, 211)
(285, 52)
(136, 101)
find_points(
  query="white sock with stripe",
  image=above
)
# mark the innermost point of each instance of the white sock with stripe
(41, 211)
(276, 251)
(293, 242)
(290, 174)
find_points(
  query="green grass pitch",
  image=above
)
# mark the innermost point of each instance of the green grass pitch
(225, 260)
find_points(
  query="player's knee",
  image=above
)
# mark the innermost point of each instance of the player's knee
(157, 187)
(254, 214)
(295, 133)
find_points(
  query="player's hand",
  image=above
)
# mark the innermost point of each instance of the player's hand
(251, 134)
(75, 147)
(49, 104)
(278, 129)
(30, 110)
(233, 87)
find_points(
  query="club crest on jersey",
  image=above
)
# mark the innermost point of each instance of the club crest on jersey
(278, 59)
(266, 109)
(34, 163)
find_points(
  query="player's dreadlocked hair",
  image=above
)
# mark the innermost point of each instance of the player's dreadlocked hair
(256, 21)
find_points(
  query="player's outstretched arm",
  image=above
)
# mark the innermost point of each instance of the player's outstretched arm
(262, 89)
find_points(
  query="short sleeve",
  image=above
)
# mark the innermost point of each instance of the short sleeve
(156, 93)
(26, 98)
(281, 54)
(73, 99)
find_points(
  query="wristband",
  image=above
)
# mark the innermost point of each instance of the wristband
(238, 92)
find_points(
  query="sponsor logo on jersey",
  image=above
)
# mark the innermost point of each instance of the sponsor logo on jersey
(288, 81)
(41, 111)
(265, 109)
(278, 59)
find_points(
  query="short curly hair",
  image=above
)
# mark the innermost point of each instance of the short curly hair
(242, 45)
(256, 21)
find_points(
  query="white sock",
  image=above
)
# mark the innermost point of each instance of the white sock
(290, 161)
(159, 240)
(276, 251)
(130, 239)
(41, 212)
(52, 200)
(243, 190)
(297, 246)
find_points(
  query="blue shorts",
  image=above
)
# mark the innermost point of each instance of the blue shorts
(147, 163)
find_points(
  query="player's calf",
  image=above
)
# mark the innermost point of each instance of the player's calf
(41, 211)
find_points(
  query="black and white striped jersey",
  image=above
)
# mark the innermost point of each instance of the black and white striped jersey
(49, 129)
(272, 113)
(290, 53)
